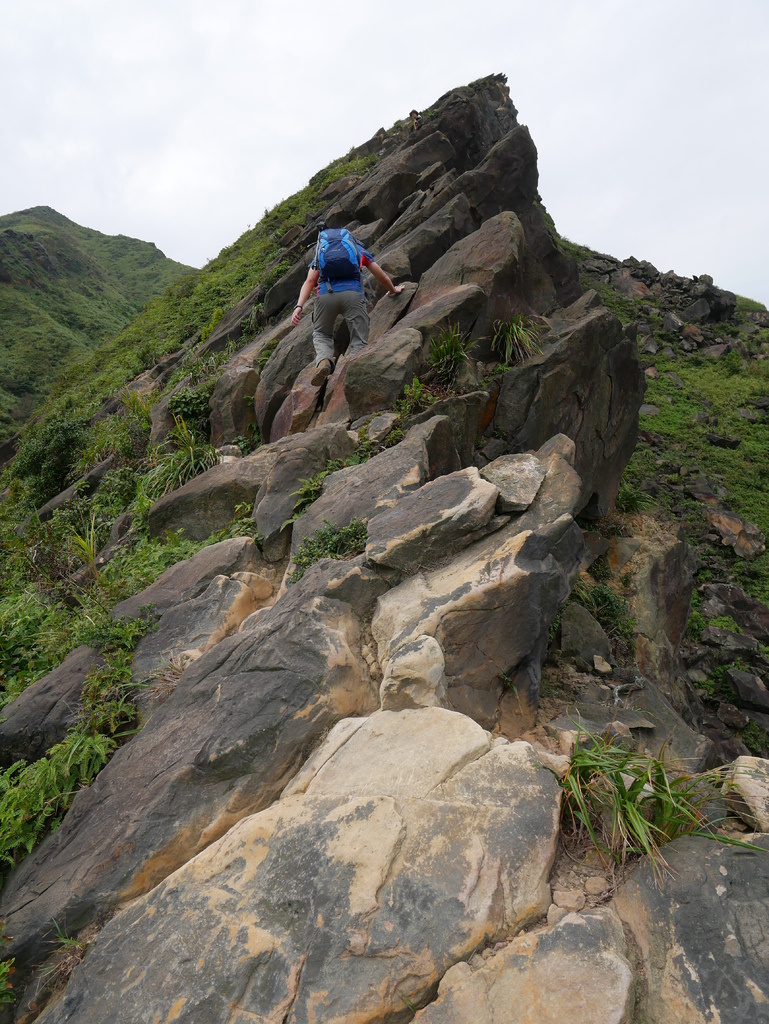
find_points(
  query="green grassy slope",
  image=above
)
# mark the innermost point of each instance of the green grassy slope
(63, 290)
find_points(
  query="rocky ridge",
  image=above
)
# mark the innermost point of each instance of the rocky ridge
(344, 804)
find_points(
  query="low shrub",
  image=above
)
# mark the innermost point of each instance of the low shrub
(329, 542)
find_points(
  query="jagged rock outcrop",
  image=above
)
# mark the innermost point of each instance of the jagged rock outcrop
(313, 822)
(404, 843)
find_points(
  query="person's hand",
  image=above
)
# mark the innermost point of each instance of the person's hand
(397, 289)
(297, 316)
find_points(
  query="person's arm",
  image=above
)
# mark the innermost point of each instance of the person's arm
(384, 278)
(310, 282)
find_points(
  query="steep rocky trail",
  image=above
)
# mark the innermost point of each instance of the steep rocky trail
(343, 802)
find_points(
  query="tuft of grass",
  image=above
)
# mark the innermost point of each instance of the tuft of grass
(190, 456)
(630, 804)
(448, 350)
(515, 339)
(329, 542)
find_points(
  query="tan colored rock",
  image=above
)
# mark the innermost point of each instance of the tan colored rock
(415, 843)
(596, 885)
(747, 790)
(415, 677)
(576, 971)
(569, 899)
(433, 522)
(487, 610)
(518, 478)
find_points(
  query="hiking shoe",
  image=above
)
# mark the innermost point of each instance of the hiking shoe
(322, 373)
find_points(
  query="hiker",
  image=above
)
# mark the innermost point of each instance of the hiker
(335, 276)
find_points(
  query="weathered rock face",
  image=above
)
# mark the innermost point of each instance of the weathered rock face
(362, 491)
(301, 458)
(188, 579)
(489, 610)
(663, 583)
(232, 404)
(492, 258)
(433, 522)
(46, 710)
(223, 745)
(399, 812)
(193, 627)
(376, 376)
(577, 971)
(207, 502)
(588, 385)
(700, 933)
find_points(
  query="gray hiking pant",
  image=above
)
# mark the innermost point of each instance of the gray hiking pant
(326, 308)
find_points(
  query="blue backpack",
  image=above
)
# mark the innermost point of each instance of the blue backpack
(338, 256)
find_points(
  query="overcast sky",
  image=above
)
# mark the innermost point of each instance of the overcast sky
(179, 122)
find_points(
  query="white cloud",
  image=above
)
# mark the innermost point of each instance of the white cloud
(180, 122)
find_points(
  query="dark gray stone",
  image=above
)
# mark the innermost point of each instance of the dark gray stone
(46, 710)
(361, 491)
(700, 932)
(582, 636)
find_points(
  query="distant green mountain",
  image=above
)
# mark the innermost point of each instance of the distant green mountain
(64, 289)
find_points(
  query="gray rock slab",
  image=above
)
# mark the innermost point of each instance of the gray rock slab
(577, 971)
(587, 384)
(518, 478)
(432, 523)
(43, 714)
(376, 376)
(300, 458)
(700, 931)
(234, 731)
(361, 491)
(489, 609)
(412, 843)
(581, 635)
(192, 627)
(468, 415)
(188, 579)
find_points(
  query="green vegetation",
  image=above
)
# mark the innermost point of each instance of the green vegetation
(416, 398)
(448, 350)
(611, 611)
(631, 804)
(329, 542)
(64, 289)
(515, 339)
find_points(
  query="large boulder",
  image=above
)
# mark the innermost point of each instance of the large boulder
(224, 745)
(489, 609)
(660, 600)
(188, 579)
(492, 258)
(699, 931)
(232, 404)
(409, 842)
(304, 456)
(360, 492)
(375, 377)
(207, 503)
(190, 628)
(587, 384)
(294, 351)
(577, 971)
(412, 255)
(43, 714)
(432, 523)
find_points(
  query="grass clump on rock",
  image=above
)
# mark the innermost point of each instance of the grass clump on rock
(629, 804)
(329, 542)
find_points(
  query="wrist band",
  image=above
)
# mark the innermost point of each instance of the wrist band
(297, 306)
